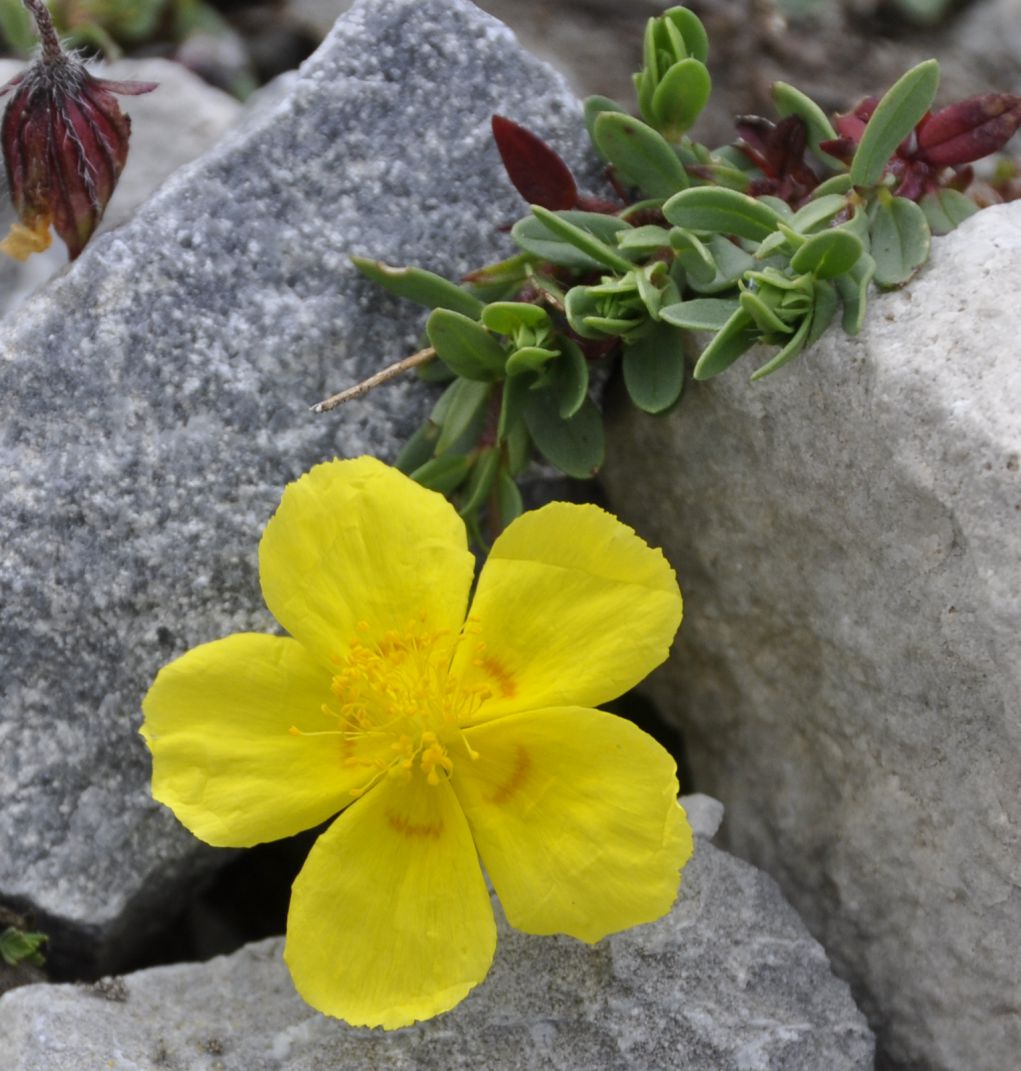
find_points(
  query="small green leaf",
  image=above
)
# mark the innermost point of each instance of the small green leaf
(466, 400)
(506, 317)
(465, 346)
(418, 449)
(766, 320)
(16, 947)
(419, 285)
(679, 98)
(827, 254)
(816, 212)
(580, 230)
(529, 359)
(736, 337)
(532, 235)
(896, 115)
(593, 108)
(508, 499)
(480, 483)
(653, 368)
(512, 404)
(519, 446)
(899, 239)
(853, 290)
(946, 209)
(731, 263)
(641, 156)
(700, 314)
(832, 185)
(715, 210)
(644, 240)
(788, 353)
(444, 474)
(568, 379)
(693, 255)
(791, 101)
(823, 311)
(692, 32)
(575, 446)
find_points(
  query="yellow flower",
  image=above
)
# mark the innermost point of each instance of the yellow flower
(440, 737)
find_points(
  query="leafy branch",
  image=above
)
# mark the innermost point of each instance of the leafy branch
(764, 241)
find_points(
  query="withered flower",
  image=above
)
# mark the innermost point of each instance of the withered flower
(65, 142)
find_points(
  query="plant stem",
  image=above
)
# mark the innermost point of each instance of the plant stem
(384, 375)
(52, 52)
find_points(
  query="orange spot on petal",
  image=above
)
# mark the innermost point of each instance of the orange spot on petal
(406, 828)
(522, 764)
(504, 681)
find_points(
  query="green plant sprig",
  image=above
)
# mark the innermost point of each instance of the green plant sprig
(763, 242)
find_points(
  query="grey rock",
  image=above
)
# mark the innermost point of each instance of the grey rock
(728, 981)
(154, 401)
(170, 127)
(848, 677)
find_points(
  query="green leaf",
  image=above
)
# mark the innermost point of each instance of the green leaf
(572, 239)
(508, 499)
(644, 240)
(853, 290)
(514, 393)
(16, 947)
(700, 314)
(444, 474)
(720, 211)
(575, 446)
(529, 359)
(823, 311)
(506, 317)
(832, 185)
(465, 405)
(946, 209)
(731, 263)
(791, 101)
(419, 285)
(641, 155)
(418, 449)
(480, 483)
(696, 40)
(653, 369)
(788, 353)
(899, 239)
(680, 97)
(465, 346)
(693, 255)
(896, 115)
(816, 212)
(736, 337)
(568, 379)
(766, 320)
(593, 108)
(519, 446)
(827, 254)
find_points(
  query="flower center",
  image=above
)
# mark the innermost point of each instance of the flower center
(399, 711)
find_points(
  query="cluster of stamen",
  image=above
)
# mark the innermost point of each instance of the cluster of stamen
(397, 708)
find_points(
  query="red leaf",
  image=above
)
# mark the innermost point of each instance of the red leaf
(968, 130)
(536, 171)
(852, 124)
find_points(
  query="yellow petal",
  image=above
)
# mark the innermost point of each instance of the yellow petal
(390, 920)
(217, 723)
(21, 241)
(576, 818)
(572, 608)
(358, 543)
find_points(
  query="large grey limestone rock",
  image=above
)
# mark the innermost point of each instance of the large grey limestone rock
(729, 981)
(848, 678)
(154, 401)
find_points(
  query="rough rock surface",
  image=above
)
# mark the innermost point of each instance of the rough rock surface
(848, 677)
(154, 401)
(729, 981)
(170, 127)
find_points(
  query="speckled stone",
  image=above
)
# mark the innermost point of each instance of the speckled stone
(847, 534)
(154, 401)
(729, 981)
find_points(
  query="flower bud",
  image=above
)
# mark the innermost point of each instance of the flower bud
(65, 142)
